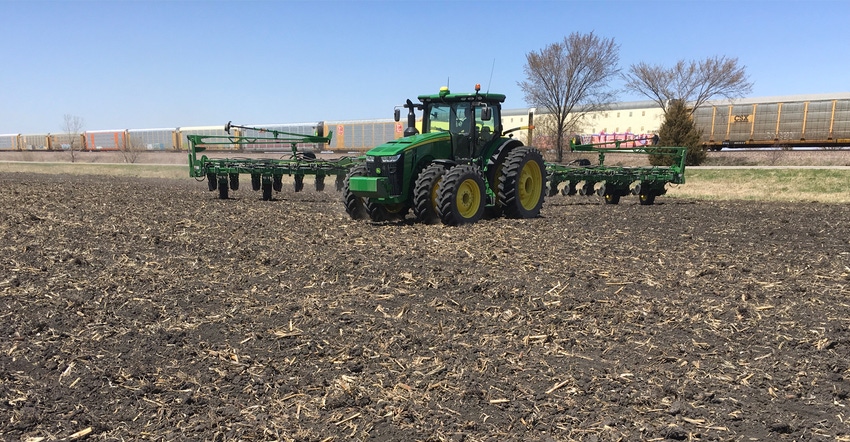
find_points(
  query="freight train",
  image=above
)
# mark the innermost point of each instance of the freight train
(812, 121)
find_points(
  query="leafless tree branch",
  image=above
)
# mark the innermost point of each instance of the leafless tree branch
(694, 82)
(73, 128)
(570, 78)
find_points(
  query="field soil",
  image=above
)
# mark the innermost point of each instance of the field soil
(148, 309)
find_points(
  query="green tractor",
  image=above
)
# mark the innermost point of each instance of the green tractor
(461, 167)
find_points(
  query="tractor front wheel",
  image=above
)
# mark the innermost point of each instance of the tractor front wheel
(461, 196)
(425, 193)
(385, 212)
(354, 205)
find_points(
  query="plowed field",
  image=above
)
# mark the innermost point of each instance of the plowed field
(141, 309)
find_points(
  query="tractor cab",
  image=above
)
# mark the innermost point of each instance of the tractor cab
(472, 120)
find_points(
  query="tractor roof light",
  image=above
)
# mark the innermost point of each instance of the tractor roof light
(477, 87)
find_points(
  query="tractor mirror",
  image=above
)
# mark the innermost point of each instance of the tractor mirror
(486, 114)
(397, 114)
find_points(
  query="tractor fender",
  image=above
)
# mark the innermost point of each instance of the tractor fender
(446, 162)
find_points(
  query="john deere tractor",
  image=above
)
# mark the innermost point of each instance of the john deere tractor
(461, 167)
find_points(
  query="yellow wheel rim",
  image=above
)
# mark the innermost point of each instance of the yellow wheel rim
(434, 190)
(468, 198)
(530, 185)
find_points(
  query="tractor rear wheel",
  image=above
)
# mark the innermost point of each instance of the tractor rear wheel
(461, 196)
(354, 205)
(425, 193)
(522, 185)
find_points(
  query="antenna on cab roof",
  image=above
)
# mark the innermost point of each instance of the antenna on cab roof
(492, 68)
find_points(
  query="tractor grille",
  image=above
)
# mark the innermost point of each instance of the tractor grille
(390, 167)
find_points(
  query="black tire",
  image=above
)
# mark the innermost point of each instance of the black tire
(355, 206)
(340, 181)
(320, 182)
(611, 198)
(495, 170)
(425, 194)
(222, 188)
(385, 212)
(212, 182)
(234, 181)
(255, 181)
(299, 182)
(553, 189)
(267, 190)
(277, 183)
(522, 185)
(461, 196)
(646, 199)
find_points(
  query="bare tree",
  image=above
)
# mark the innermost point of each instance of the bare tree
(132, 149)
(73, 128)
(569, 79)
(693, 82)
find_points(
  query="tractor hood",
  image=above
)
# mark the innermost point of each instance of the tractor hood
(397, 146)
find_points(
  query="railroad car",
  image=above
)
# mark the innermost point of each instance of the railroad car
(153, 139)
(812, 121)
(9, 142)
(361, 135)
(106, 140)
(35, 142)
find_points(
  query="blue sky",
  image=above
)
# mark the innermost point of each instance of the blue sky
(155, 64)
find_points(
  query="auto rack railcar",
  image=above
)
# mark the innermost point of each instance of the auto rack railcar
(813, 121)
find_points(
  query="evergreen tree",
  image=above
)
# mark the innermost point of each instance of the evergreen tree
(678, 130)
